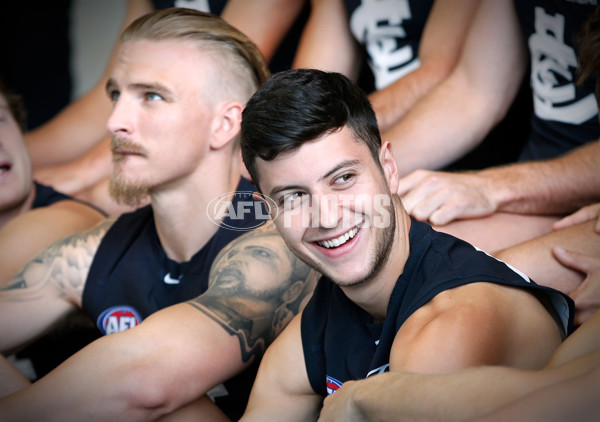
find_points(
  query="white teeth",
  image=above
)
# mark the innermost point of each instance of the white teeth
(338, 241)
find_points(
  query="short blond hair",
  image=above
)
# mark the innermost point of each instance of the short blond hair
(243, 62)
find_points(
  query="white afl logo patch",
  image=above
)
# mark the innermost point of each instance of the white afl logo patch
(242, 206)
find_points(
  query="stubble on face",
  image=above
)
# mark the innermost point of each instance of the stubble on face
(121, 190)
(376, 261)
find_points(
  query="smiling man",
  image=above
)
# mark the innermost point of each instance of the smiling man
(178, 87)
(395, 294)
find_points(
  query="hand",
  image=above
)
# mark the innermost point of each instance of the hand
(440, 197)
(587, 295)
(587, 213)
(340, 406)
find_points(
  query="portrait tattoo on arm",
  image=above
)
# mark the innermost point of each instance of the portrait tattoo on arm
(256, 286)
(61, 268)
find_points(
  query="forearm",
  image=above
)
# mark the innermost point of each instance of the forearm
(440, 48)
(553, 186)
(446, 397)
(12, 379)
(105, 381)
(447, 123)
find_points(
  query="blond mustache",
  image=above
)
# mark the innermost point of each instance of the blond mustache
(120, 145)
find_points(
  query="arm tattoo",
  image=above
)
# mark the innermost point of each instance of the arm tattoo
(62, 267)
(256, 286)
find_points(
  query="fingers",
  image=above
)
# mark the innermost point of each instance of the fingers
(576, 260)
(582, 215)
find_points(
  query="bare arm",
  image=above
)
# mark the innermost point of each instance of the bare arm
(26, 235)
(473, 325)
(282, 390)
(548, 187)
(456, 115)
(265, 22)
(47, 288)
(83, 122)
(327, 42)
(440, 47)
(81, 173)
(177, 354)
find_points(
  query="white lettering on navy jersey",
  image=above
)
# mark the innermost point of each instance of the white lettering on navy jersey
(201, 5)
(378, 25)
(553, 66)
(379, 370)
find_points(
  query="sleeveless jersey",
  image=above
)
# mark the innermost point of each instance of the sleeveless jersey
(45, 195)
(341, 343)
(390, 31)
(209, 6)
(565, 115)
(131, 276)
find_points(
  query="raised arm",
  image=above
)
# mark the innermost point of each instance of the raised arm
(456, 115)
(440, 47)
(177, 354)
(47, 288)
(327, 42)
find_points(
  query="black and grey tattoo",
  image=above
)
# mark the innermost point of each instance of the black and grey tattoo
(61, 269)
(256, 286)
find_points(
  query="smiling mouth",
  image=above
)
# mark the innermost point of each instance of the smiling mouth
(338, 241)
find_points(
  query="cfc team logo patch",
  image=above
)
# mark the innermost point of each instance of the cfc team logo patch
(332, 384)
(118, 318)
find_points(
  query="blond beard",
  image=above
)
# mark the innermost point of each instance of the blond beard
(127, 193)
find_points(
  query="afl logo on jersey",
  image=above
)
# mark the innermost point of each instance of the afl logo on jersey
(332, 384)
(118, 318)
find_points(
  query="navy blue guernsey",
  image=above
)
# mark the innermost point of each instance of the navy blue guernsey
(390, 31)
(209, 6)
(341, 343)
(565, 115)
(131, 276)
(45, 195)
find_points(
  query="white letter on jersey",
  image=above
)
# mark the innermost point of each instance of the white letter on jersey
(552, 58)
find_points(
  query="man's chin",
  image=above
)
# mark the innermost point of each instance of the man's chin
(127, 193)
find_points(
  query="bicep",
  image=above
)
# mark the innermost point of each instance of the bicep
(282, 390)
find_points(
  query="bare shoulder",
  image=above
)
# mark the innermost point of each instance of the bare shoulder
(256, 287)
(478, 324)
(63, 265)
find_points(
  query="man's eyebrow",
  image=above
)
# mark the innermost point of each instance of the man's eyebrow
(140, 86)
(340, 166)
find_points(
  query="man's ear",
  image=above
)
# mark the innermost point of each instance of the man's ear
(388, 163)
(226, 124)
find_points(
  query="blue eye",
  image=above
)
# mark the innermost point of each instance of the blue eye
(114, 95)
(153, 96)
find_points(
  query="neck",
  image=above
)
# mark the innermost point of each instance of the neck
(182, 223)
(19, 208)
(374, 295)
